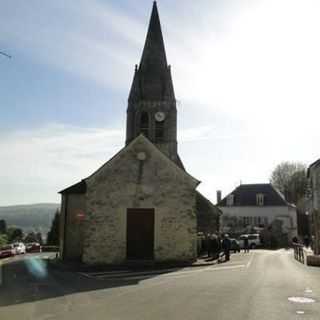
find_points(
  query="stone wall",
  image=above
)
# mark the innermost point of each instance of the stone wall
(71, 238)
(126, 182)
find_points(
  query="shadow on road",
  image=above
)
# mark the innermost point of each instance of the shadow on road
(34, 279)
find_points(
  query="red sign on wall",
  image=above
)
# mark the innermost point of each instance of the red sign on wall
(80, 215)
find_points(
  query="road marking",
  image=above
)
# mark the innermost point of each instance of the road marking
(308, 291)
(163, 273)
(301, 300)
(250, 261)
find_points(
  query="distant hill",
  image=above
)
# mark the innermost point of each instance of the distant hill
(33, 217)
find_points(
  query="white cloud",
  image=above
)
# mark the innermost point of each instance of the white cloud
(42, 161)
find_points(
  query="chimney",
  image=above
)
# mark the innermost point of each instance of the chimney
(219, 196)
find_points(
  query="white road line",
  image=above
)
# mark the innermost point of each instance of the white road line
(106, 272)
(250, 261)
(172, 272)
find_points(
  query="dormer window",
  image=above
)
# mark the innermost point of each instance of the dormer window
(260, 199)
(230, 200)
(144, 124)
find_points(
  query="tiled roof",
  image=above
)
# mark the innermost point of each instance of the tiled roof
(245, 195)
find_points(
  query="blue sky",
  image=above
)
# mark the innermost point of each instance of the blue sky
(246, 75)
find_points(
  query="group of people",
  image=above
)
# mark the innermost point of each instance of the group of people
(220, 246)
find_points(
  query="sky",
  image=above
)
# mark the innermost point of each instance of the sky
(246, 76)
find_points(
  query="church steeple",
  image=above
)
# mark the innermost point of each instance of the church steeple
(152, 80)
(151, 104)
(154, 53)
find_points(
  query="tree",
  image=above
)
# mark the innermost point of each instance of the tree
(3, 239)
(290, 179)
(3, 227)
(14, 234)
(31, 237)
(53, 234)
(39, 238)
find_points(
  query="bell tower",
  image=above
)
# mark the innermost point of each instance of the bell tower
(152, 104)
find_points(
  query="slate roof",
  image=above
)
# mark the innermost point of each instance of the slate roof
(152, 78)
(245, 195)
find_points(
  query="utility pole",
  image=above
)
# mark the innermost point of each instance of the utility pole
(5, 54)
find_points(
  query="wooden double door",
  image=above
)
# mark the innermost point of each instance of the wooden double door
(140, 234)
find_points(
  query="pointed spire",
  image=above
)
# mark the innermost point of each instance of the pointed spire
(154, 54)
(152, 79)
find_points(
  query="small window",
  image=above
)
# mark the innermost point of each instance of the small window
(144, 124)
(260, 199)
(230, 200)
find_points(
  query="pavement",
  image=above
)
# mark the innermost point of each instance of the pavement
(260, 285)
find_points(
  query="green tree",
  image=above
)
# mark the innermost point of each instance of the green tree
(39, 238)
(14, 234)
(291, 180)
(53, 234)
(31, 237)
(3, 239)
(3, 227)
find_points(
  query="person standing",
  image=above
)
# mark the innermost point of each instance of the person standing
(246, 244)
(226, 246)
(215, 246)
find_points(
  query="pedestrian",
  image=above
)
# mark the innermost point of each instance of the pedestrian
(246, 244)
(215, 246)
(226, 246)
(295, 240)
(209, 244)
(306, 241)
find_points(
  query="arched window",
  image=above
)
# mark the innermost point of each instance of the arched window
(144, 124)
(159, 131)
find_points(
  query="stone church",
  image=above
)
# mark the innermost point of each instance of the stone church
(141, 204)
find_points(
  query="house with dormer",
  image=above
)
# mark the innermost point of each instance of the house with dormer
(253, 207)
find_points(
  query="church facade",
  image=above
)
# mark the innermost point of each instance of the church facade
(141, 204)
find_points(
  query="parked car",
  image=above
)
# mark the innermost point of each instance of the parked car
(235, 245)
(19, 247)
(7, 251)
(33, 247)
(253, 238)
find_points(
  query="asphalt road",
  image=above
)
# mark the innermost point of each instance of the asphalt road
(260, 285)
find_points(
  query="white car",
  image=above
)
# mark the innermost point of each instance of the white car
(19, 247)
(254, 240)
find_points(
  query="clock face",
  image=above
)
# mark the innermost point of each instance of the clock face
(160, 116)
